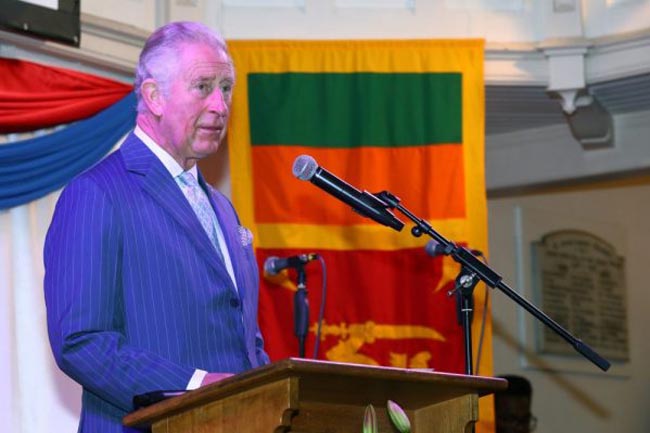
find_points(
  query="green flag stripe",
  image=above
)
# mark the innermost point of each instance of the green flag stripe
(355, 109)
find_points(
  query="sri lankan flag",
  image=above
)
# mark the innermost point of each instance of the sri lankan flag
(404, 116)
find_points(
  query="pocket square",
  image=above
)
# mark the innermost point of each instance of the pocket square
(245, 236)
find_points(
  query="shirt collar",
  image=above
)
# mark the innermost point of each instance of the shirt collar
(172, 166)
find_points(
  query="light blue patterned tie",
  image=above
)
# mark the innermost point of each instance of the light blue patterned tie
(201, 205)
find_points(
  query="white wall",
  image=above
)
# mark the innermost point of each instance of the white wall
(552, 154)
(496, 20)
(575, 396)
(612, 17)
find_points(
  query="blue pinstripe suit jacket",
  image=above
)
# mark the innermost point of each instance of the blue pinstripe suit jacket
(136, 296)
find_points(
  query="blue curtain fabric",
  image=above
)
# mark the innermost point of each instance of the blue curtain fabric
(31, 169)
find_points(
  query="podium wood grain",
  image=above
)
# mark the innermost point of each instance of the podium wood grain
(296, 395)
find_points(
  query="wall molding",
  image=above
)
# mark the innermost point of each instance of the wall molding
(14, 45)
(606, 58)
(113, 30)
(519, 64)
(96, 33)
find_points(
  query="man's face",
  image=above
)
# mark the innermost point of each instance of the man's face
(196, 104)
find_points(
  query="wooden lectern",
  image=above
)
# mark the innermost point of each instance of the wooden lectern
(297, 395)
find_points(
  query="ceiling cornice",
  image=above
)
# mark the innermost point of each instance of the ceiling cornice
(606, 58)
(507, 64)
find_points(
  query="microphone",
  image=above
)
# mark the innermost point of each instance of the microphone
(363, 202)
(273, 265)
(434, 248)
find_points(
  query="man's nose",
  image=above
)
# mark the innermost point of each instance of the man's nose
(217, 102)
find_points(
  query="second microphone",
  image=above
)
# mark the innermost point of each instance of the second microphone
(273, 265)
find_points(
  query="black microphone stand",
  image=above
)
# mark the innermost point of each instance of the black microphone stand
(464, 291)
(474, 270)
(301, 310)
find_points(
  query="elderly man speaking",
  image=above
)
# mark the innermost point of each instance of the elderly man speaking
(150, 281)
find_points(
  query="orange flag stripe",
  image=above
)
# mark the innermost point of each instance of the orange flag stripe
(282, 198)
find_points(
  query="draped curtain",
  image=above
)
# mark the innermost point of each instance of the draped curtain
(30, 169)
(89, 115)
(34, 96)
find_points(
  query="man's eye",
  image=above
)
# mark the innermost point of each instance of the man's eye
(204, 88)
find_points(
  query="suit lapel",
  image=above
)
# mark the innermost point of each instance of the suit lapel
(158, 183)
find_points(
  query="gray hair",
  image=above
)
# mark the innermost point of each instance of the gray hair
(159, 57)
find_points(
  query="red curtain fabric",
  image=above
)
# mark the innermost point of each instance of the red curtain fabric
(34, 96)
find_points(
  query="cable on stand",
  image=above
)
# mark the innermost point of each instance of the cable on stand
(301, 310)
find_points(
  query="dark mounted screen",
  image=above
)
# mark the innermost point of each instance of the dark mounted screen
(61, 24)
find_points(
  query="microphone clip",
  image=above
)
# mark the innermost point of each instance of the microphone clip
(391, 200)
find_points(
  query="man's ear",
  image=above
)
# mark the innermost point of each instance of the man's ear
(152, 96)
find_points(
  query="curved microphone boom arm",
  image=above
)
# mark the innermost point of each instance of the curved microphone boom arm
(473, 270)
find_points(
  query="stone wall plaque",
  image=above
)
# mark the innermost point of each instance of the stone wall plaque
(579, 281)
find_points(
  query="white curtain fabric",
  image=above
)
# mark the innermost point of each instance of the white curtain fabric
(36, 396)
